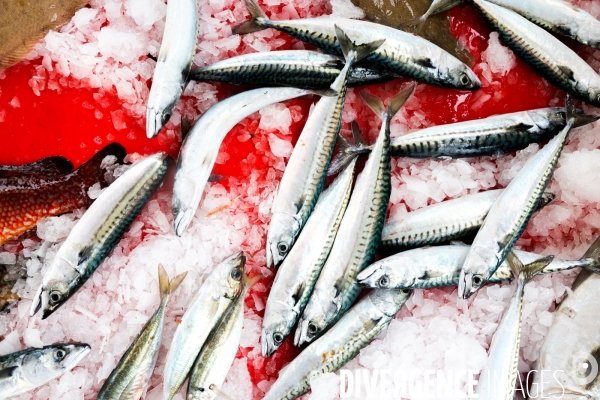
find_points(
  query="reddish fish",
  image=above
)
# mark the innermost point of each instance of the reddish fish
(26, 199)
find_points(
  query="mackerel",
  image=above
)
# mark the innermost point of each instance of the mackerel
(131, 376)
(510, 213)
(216, 294)
(299, 271)
(98, 232)
(305, 173)
(353, 332)
(358, 235)
(402, 54)
(173, 64)
(296, 68)
(439, 266)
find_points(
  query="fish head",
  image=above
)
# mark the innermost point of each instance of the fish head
(390, 301)
(230, 273)
(456, 74)
(479, 265)
(379, 276)
(59, 282)
(282, 232)
(315, 319)
(49, 362)
(277, 324)
(184, 203)
(161, 104)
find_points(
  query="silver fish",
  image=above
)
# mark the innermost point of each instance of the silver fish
(550, 57)
(130, 377)
(200, 148)
(510, 213)
(26, 370)
(354, 331)
(297, 68)
(98, 232)
(439, 266)
(219, 350)
(498, 377)
(444, 221)
(481, 137)
(306, 170)
(358, 235)
(173, 64)
(215, 295)
(402, 54)
(299, 271)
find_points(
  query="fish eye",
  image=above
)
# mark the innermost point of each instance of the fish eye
(464, 79)
(59, 354)
(166, 117)
(55, 296)
(384, 281)
(236, 274)
(405, 291)
(477, 280)
(278, 337)
(282, 247)
(312, 328)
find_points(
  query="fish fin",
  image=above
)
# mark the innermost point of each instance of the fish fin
(425, 62)
(374, 103)
(568, 72)
(398, 101)
(249, 281)
(84, 254)
(150, 56)
(91, 172)
(592, 254)
(522, 127)
(219, 391)
(353, 52)
(545, 199)
(299, 204)
(185, 127)
(347, 152)
(168, 287)
(431, 275)
(329, 92)
(584, 119)
(7, 373)
(415, 25)
(257, 22)
(359, 139)
(215, 178)
(572, 117)
(594, 250)
(526, 272)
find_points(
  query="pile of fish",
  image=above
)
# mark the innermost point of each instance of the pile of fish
(323, 241)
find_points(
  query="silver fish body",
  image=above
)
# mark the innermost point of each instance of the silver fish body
(173, 63)
(98, 232)
(545, 53)
(215, 295)
(355, 330)
(402, 53)
(296, 68)
(509, 215)
(26, 370)
(200, 148)
(299, 271)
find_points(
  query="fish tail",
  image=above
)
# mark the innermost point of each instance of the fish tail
(91, 172)
(348, 151)
(526, 272)
(353, 52)
(257, 22)
(168, 287)
(415, 25)
(593, 255)
(394, 104)
(571, 116)
(248, 282)
(545, 199)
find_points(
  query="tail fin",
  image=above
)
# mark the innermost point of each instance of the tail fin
(571, 116)
(348, 151)
(544, 200)
(415, 25)
(167, 287)
(353, 52)
(592, 263)
(257, 22)
(90, 172)
(526, 272)
(394, 104)
(584, 119)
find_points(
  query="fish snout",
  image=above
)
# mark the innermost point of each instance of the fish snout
(182, 220)
(370, 276)
(153, 123)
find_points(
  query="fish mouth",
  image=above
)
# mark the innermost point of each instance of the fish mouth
(267, 347)
(269, 258)
(83, 350)
(153, 123)
(368, 276)
(182, 221)
(465, 290)
(238, 258)
(37, 302)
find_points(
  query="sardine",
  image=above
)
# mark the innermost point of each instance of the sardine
(98, 232)
(219, 350)
(296, 68)
(510, 213)
(353, 332)
(444, 221)
(306, 170)
(402, 54)
(550, 57)
(359, 233)
(217, 292)
(26, 370)
(200, 148)
(439, 266)
(299, 271)
(482, 137)
(130, 377)
(498, 377)
(173, 64)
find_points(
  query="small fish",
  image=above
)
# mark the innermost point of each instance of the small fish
(306, 170)
(439, 266)
(402, 54)
(173, 64)
(98, 232)
(130, 377)
(482, 137)
(207, 308)
(29, 369)
(353, 332)
(550, 57)
(444, 221)
(359, 233)
(498, 377)
(200, 147)
(510, 213)
(219, 350)
(27, 197)
(296, 68)
(299, 271)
